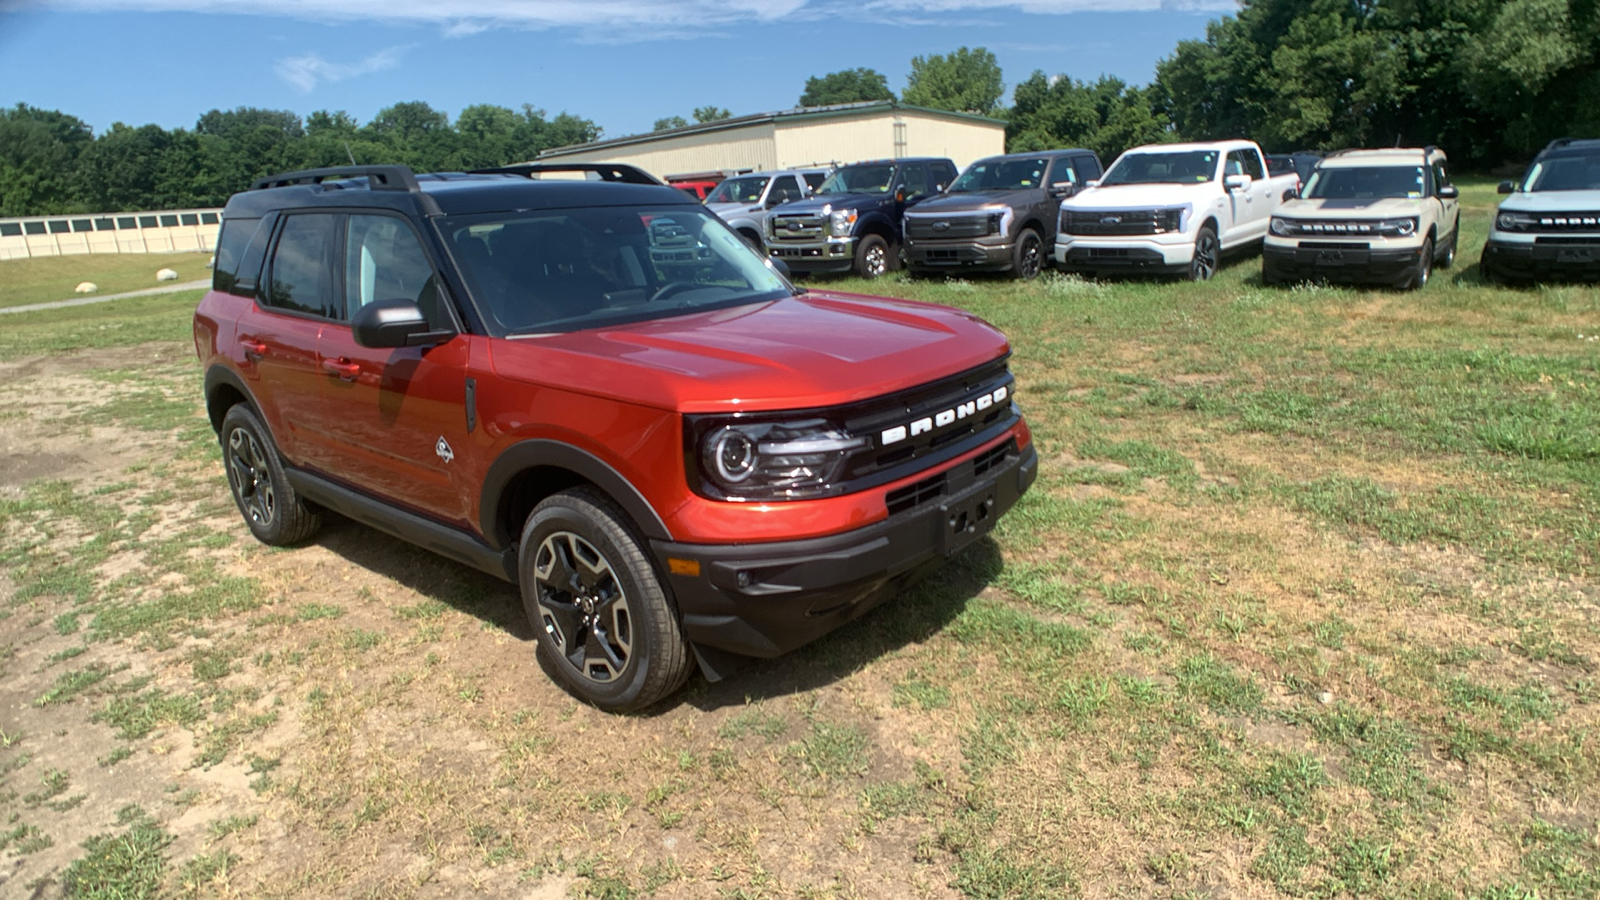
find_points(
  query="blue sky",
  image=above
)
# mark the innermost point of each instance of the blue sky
(622, 63)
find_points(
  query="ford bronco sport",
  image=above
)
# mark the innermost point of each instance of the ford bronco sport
(1549, 225)
(598, 391)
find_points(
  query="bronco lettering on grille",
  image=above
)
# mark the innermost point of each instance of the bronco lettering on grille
(944, 417)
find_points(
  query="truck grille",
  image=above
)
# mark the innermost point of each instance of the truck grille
(941, 228)
(1120, 222)
(1556, 223)
(798, 228)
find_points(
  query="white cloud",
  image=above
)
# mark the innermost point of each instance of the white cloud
(306, 72)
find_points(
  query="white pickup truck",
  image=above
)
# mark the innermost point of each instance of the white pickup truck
(1171, 209)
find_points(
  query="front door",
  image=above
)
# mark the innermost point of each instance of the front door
(398, 416)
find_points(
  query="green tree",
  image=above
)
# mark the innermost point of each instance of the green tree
(705, 114)
(669, 123)
(964, 81)
(39, 151)
(1107, 116)
(847, 86)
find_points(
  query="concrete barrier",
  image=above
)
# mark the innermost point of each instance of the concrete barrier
(159, 231)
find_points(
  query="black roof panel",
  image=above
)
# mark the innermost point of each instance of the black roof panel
(456, 193)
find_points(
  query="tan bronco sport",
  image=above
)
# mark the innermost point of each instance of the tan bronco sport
(1384, 216)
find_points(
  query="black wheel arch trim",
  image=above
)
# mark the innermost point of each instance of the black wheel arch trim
(218, 376)
(541, 452)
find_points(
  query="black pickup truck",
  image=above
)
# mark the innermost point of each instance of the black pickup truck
(853, 221)
(1000, 215)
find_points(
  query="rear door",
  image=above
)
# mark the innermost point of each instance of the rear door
(1450, 207)
(397, 418)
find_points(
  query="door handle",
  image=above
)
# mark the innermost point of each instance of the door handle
(253, 349)
(343, 368)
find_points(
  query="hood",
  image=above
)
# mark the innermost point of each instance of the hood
(1143, 196)
(814, 204)
(1375, 208)
(967, 201)
(813, 350)
(1553, 201)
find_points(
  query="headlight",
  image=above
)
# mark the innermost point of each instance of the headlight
(999, 219)
(785, 460)
(1283, 227)
(1397, 227)
(1170, 220)
(1515, 221)
(840, 222)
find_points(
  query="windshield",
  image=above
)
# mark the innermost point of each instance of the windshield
(541, 271)
(1181, 167)
(740, 190)
(1001, 175)
(1367, 183)
(873, 179)
(1566, 172)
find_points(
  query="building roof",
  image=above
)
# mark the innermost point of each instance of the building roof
(799, 113)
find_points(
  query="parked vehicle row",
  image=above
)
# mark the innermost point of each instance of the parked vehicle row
(1386, 216)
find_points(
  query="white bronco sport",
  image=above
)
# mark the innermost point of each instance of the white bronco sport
(1381, 216)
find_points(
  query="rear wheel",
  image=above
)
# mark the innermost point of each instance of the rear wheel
(1028, 257)
(605, 625)
(1207, 253)
(872, 257)
(275, 513)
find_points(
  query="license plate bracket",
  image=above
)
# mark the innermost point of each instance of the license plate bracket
(1575, 254)
(966, 518)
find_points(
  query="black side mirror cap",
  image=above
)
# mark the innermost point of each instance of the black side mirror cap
(1507, 187)
(1449, 192)
(1291, 194)
(781, 267)
(395, 323)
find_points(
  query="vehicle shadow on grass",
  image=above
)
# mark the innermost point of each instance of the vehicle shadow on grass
(915, 614)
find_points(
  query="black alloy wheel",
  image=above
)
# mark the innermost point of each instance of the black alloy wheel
(1028, 258)
(1207, 253)
(275, 513)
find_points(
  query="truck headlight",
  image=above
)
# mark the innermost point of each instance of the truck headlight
(1284, 227)
(1397, 227)
(1515, 221)
(740, 459)
(840, 221)
(999, 219)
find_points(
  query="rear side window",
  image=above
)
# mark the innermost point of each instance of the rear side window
(384, 261)
(231, 245)
(303, 265)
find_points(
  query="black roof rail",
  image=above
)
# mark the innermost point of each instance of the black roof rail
(1558, 143)
(607, 171)
(379, 178)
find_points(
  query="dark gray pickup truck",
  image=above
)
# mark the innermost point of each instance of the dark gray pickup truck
(1000, 215)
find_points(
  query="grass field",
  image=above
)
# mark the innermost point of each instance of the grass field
(1304, 604)
(49, 278)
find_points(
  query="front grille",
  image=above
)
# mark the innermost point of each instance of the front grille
(1108, 222)
(924, 405)
(1333, 229)
(1568, 222)
(942, 228)
(1334, 245)
(797, 228)
(989, 459)
(914, 495)
(1569, 241)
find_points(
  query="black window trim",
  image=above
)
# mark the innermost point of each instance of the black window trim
(447, 303)
(270, 263)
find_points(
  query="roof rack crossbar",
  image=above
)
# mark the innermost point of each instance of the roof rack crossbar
(607, 171)
(379, 178)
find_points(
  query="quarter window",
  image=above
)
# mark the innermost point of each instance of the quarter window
(383, 261)
(302, 266)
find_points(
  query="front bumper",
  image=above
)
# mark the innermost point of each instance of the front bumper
(1125, 254)
(767, 599)
(1568, 259)
(1348, 261)
(833, 255)
(959, 255)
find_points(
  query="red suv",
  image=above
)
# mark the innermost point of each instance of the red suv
(596, 390)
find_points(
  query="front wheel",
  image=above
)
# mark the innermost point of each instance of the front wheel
(1424, 268)
(602, 617)
(1448, 258)
(872, 257)
(1028, 258)
(1207, 253)
(275, 513)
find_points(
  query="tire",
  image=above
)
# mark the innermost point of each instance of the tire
(1485, 272)
(1027, 260)
(276, 515)
(1424, 269)
(607, 628)
(1207, 255)
(754, 240)
(1448, 258)
(872, 257)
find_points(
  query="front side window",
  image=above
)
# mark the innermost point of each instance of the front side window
(1005, 175)
(915, 180)
(868, 179)
(544, 271)
(1178, 167)
(785, 190)
(384, 261)
(746, 189)
(1367, 183)
(303, 266)
(814, 180)
(1565, 172)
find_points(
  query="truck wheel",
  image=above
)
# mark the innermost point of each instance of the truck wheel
(275, 513)
(753, 239)
(1028, 257)
(1424, 268)
(872, 257)
(1448, 259)
(606, 628)
(1206, 254)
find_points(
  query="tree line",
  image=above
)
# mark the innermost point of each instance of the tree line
(1489, 80)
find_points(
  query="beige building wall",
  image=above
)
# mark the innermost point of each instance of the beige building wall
(741, 149)
(158, 231)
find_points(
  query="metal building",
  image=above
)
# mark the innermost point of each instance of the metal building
(804, 136)
(156, 231)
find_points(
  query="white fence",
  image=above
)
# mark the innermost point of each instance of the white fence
(162, 231)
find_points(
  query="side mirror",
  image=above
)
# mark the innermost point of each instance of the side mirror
(781, 267)
(1235, 182)
(1063, 189)
(899, 195)
(395, 323)
(1449, 192)
(1507, 187)
(1093, 182)
(1291, 194)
